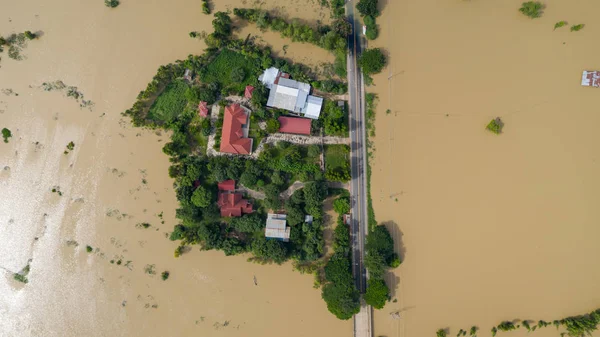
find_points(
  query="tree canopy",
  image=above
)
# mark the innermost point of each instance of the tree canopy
(372, 61)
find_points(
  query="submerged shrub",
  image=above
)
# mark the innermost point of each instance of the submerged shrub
(577, 28)
(495, 125)
(111, 3)
(560, 24)
(532, 9)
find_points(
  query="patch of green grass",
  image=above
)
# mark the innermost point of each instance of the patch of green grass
(560, 24)
(337, 162)
(256, 134)
(576, 28)
(169, 104)
(231, 70)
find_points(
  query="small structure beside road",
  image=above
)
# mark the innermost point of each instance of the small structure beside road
(299, 126)
(590, 78)
(277, 227)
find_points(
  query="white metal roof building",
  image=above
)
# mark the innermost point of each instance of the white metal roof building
(290, 95)
(276, 227)
(269, 76)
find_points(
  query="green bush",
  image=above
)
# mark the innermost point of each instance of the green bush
(576, 28)
(367, 7)
(205, 8)
(532, 9)
(29, 35)
(560, 24)
(341, 205)
(6, 134)
(111, 3)
(372, 32)
(377, 293)
(441, 333)
(495, 125)
(165, 275)
(272, 125)
(89, 249)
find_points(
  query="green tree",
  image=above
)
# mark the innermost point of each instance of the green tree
(495, 126)
(342, 300)
(248, 223)
(269, 250)
(377, 293)
(238, 74)
(379, 241)
(6, 134)
(441, 333)
(272, 197)
(367, 7)
(342, 26)
(341, 205)
(372, 61)
(532, 9)
(272, 125)
(375, 264)
(111, 3)
(201, 197)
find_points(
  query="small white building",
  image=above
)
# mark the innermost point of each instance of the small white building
(277, 227)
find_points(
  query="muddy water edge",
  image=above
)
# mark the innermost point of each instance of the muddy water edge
(115, 178)
(491, 228)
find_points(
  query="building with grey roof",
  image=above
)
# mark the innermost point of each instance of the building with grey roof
(277, 228)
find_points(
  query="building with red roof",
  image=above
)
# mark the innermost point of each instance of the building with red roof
(295, 125)
(248, 92)
(203, 109)
(232, 204)
(234, 135)
(226, 185)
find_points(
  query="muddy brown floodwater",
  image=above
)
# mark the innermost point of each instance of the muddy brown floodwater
(491, 228)
(114, 178)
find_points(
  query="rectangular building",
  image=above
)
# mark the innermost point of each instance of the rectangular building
(277, 228)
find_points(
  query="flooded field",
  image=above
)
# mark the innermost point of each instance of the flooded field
(113, 180)
(491, 228)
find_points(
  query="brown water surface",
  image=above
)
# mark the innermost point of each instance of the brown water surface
(115, 178)
(491, 228)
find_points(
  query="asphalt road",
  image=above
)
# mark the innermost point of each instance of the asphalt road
(357, 152)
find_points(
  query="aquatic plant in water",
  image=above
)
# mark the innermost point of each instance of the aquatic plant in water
(560, 24)
(495, 125)
(576, 28)
(532, 9)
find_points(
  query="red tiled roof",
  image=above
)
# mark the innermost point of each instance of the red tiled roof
(203, 109)
(226, 185)
(232, 204)
(294, 125)
(232, 140)
(248, 92)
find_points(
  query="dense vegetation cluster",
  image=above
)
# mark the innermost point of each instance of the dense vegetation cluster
(201, 223)
(330, 38)
(574, 326)
(339, 291)
(379, 256)
(532, 9)
(495, 126)
(368, 10)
